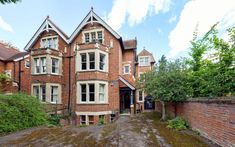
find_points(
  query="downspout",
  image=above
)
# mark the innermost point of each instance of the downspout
(19, 76)
(14, 71)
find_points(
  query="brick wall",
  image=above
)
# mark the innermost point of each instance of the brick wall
(214, 119)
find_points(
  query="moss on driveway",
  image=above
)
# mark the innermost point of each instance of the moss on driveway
(144, 129)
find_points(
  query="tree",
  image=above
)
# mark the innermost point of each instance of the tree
(9, 1)
(168, 83)
(211, 65)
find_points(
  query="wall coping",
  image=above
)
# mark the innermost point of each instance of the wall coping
(218, 100)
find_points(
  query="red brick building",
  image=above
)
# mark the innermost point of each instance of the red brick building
(15, 65)
(92, 73)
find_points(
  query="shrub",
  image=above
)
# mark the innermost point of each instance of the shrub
(177, 123)
(101, 121)
(20, 111)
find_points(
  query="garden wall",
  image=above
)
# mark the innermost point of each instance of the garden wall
(213, 118)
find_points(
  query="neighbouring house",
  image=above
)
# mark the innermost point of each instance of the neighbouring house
(92, 73)
(15, 65)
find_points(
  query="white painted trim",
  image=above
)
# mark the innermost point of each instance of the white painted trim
(144, 57)
(99, 20)
(94, 113)
(21, 58)
(41, 29)
(125, 82)
(124, 71)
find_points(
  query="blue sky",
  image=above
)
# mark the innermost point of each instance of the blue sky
(161, 26)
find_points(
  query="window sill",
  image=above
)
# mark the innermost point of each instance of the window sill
(39, 74)
(93, 70)
(89, 103)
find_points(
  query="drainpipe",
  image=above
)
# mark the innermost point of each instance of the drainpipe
(19, 76)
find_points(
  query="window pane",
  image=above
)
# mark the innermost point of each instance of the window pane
(101, 92)
(92, 92)
(92, 60)
(55, 65)
(55, 41)
(44, 43)
(36, 91)
(100, 36)
(83, 92)
(83, 119)
(102, 61)
(49, 42)
(93, 36)
(83, 61)
(140, 95)
(43, 93)
(87, 38)
(54, 93)
(37, 65)
(126, 69)
(43, 64)
(91, 120)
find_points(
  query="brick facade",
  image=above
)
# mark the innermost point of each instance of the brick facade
(214, 119)
(39, 79)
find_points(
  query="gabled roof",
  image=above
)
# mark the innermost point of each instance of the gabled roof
(7, 51)
(90, 18)
(144, 52)
(130, 44)
(46, 26)
(126, 83)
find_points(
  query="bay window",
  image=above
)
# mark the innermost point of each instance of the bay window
(92, 92)
(92, 60)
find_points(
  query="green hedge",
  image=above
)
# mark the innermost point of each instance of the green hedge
(20, 111)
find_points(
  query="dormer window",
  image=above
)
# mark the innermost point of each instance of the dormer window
(50, 42)
(93, 36)
(144, 61)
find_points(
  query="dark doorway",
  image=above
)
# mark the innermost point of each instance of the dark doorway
(125, 101)
(149, 103)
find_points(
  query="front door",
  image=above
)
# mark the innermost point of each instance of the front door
(125, 101)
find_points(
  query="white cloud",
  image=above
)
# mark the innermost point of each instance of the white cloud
(5, 26)
(135, 11)
(159, 30)
(172, 19)
(203, 14)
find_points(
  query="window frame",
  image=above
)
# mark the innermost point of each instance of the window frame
(85, 54)
(129, 69)
(52, 95)
(54, 42)
(142, 93)
(98, 34)
(56, 67)
(142, 61)
(96, 92)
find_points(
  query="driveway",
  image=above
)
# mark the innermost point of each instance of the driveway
(141, 130)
